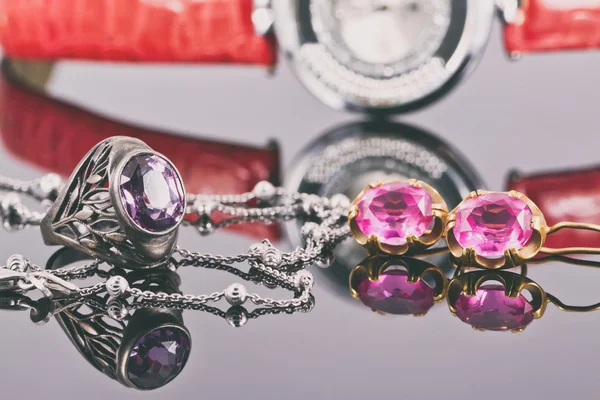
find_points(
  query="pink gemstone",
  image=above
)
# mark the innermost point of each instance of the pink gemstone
(492, 310)
(394, 211)
(492, 223)
(392, 293)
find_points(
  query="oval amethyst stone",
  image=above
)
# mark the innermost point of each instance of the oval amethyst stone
(152, 193)
(392, 293)
(492, 310)
(157, 358)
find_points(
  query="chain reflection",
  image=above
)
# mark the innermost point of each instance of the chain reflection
(141, 342)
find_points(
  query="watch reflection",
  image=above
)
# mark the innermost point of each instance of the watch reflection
(347, 158)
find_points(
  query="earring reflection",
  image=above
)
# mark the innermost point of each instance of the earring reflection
(505, 300)
(397, 285)
(501, 306)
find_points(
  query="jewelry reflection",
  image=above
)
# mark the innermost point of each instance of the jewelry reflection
(121, 298)
(348, 158)
(398, 285)
(236, 295)
(505, 300)
(141, 341)
(143, 347)
(498, 306)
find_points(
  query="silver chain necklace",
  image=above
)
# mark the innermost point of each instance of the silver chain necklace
(279, 205)
(325, 227)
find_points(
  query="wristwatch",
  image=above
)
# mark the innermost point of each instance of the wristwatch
(55, 136)
(361, 55)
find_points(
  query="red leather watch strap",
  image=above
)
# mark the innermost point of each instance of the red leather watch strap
(546, 25)
(54, 136)
(213, 31)
(572, 196)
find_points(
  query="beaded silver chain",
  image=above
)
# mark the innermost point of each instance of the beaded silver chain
(325, 226)
(117, 299)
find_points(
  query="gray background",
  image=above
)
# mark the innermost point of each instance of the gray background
(536, 114)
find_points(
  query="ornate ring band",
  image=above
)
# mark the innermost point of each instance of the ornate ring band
(495, 230)
(123, 203)
(398, 217)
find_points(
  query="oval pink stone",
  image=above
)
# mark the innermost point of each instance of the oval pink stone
(492, 310)
(394, 211)
(492, 223)
(392, 293)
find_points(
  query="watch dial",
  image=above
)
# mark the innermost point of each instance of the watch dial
(382, 37)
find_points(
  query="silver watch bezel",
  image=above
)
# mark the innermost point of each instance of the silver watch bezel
(316, 74)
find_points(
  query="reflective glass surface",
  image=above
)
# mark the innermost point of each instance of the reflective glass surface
(235, 124)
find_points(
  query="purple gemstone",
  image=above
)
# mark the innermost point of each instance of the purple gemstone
(158, 357)
(152, 193)
(492, 310)
(392, 293)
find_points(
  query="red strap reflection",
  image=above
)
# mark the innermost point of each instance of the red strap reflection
(55, 136)
(572, 196)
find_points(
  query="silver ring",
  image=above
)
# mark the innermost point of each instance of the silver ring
(123, 204)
